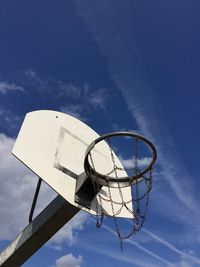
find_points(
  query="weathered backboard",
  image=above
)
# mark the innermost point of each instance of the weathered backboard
(53, 146)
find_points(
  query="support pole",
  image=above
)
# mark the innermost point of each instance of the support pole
(34, 200)
(38, 232)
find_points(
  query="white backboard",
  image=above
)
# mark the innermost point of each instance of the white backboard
(53, 146)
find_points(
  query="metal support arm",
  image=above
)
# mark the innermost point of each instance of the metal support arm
(38, 232)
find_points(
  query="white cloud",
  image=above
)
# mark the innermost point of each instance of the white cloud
(130, 163)
(88, 102)
(13, 197)
(118, 128)
(9, 119)
(5, 87)
(98, 98)
(88, 98)
(16, 194)
(68, 90)
(16, 191)
(68, 233)
(69, 260)
(75, 110)
(51, 87)
(185, 262)
(30, 73)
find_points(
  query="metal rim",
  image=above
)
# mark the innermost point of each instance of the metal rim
(122, 181)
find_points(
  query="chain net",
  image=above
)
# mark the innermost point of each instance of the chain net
(137, 205)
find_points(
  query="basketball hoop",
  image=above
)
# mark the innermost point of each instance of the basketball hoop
(109, 175)
(137, 175)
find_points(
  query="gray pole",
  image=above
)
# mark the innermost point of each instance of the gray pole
(38, 232)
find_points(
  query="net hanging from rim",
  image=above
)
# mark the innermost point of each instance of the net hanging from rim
(137, 175)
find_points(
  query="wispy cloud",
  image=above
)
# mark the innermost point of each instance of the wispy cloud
(186, 256)
(169, 160)
(185, 262)
(118, 128)
(60, 89)
(130, 162)
(131, 260)
(89, 101)
(116, 42)
(6, 87)
(76, 110)
(111, 27)
(69, 260)
(10, 120)
(97, 99)
(80, 100)
(30, 74)
(50, 86)
(141, 248)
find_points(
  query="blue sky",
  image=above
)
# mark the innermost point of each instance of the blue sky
(117, 65)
